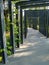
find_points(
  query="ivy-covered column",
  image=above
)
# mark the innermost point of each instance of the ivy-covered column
(21, 26)
(11, 27)
(17, 28)
(3, 55)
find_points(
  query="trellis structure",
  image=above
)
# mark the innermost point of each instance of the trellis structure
(42, 19)
(36, 4)
(19, 6)
(32, 16)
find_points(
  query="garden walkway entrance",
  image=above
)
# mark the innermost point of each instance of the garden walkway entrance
(34, 51)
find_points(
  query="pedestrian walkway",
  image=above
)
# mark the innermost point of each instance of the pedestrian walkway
(34, 51)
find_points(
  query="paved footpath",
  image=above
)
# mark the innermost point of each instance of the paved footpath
(34, 51)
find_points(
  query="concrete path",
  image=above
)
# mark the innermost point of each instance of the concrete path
(34, 51)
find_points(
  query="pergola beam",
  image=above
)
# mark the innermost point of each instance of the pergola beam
(31, 2)
(35, 5)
